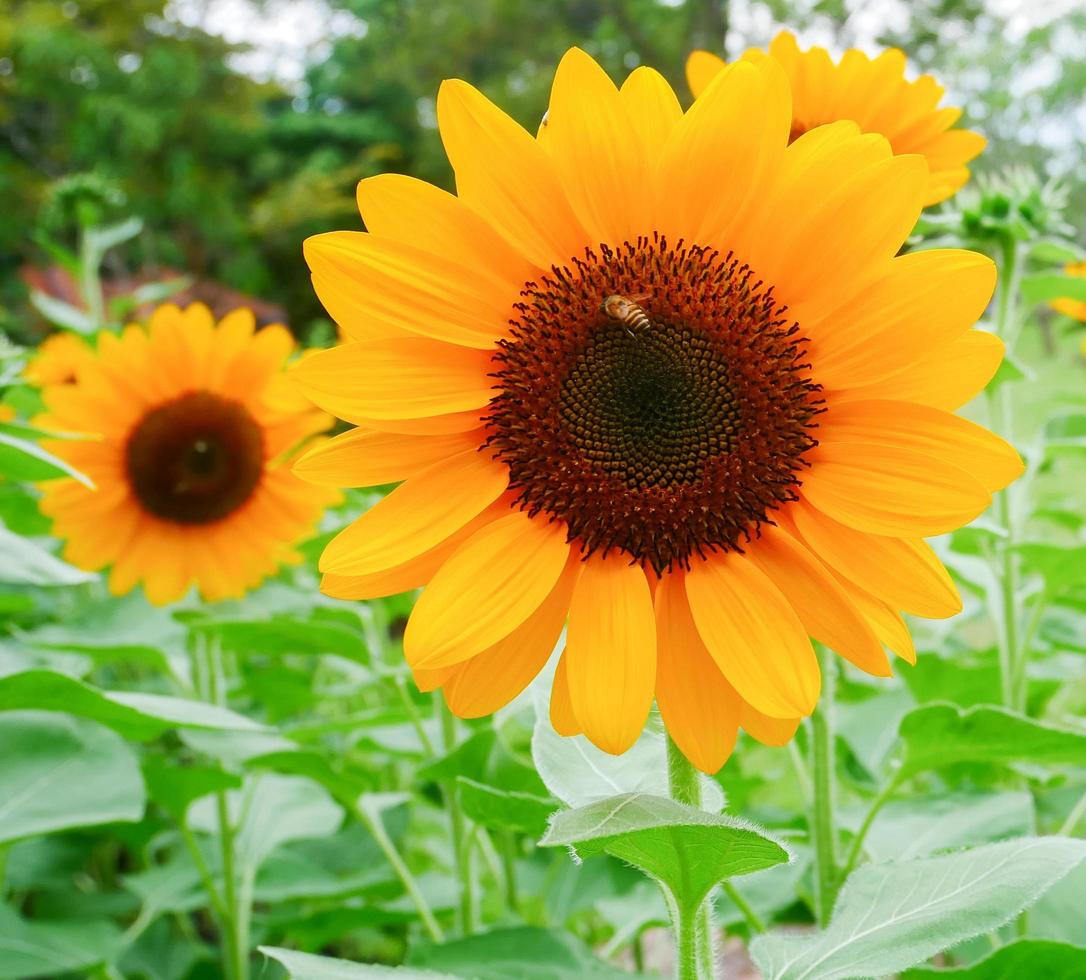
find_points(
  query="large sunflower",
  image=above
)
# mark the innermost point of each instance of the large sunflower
(188, 427)
(874, 94)
(743, 451)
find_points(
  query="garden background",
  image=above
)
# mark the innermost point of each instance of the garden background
(183, 151)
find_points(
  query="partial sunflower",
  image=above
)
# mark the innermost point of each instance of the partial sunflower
(874, 94)
(1074, 308)
(58, 360)
(700, 419)
(189, 425)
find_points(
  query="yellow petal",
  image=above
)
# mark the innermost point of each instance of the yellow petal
(902, 571)
(699, 707)
(364, 458)
(891, 491)
(563, 719)
(753, 635)
(611, 652)
(768, 731)
(412, 211)
(491, 679)
(418, 515)
(920, 429)
(946, 377)
(396, 378)
(822, 605)
(653, 109)
(701, 68)
(505, 175)
(926, 299)
(596, 153)
(724, 152)
(434, 296)
(886, 622)
(490, 586)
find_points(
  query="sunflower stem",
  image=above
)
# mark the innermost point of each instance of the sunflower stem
(457, 824)
(1013, 677)
(693, 927)
(823, 772)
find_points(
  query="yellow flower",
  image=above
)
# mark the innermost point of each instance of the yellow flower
(744, 449)
(190, 427)
(1074, 308)
(874, 94)
(58, 360)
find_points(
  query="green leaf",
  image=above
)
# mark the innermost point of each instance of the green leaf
(1054, 252)
(892, 916)
(522, 813)
(577, 772)
(306, 966)
(135, 715)
(525, 953)
(940, 735)
(687, 850)
(287, 635)
(919, 826)
(21, 459)
(101, 240)
(58, 772)
(1016, 961)
(22, 562)
(53, 947)
(175, 787)
(62, 314)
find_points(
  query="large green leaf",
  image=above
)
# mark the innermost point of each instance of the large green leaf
(23, 459)
(58, 772)
(53, 947)
(135, 715)
(892, 916)
(1047, 286)
(22, 562)
(939, 735)
(1016, 961)
(174, 787)
(687, 850)
(916, 827)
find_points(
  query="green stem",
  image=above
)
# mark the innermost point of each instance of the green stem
(377, 830)
(457, 823)
(4, 849)
(509, 869)
(861, 835)
(91, 283)
(754, 920)
(413, 714)
(693, 927)
(238, 954)
(204, 872)
(823, 824)
(1078, 811)
(1013, 694)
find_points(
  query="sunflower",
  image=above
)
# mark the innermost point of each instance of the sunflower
(189, 425)
(58, 360)
(700, 420)
(874, 94)
(1074, 308)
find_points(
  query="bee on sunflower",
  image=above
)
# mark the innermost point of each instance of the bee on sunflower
(189, 427)
(871, 92)
(750, 458)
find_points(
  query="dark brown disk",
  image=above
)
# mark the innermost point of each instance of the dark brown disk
(196, 459)
(673, 440)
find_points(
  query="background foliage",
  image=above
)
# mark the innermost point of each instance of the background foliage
(180, 786)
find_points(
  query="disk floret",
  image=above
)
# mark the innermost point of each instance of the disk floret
(672, 439)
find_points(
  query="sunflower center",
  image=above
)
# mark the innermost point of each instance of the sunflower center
(196, 459)
(655, 400)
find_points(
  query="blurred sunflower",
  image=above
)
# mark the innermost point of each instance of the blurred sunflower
(58, 360)
(874, 94)
(1074, 308)
(701, 419)
(189, 427)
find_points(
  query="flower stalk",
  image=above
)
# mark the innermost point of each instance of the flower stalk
(823, 809)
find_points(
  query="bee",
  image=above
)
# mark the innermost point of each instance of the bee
(626, 311)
